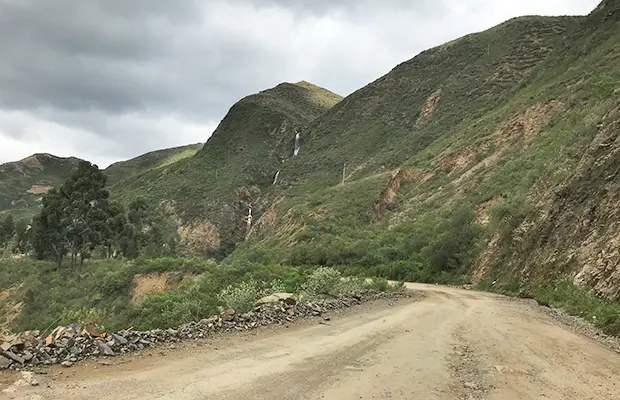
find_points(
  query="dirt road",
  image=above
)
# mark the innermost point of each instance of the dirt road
(452, 344)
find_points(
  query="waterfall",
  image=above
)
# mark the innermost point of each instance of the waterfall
(275, 178)
(249, 218)
(297, 145)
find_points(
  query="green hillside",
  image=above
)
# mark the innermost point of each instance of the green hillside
(491, 160)
(23, 183)
(209, 195)
(477, 160)
(154, 159)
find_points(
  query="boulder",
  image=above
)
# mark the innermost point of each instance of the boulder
(13, 356)
(287, 298)
(27, 355)
(228, 315)
(5, 362)
(104, 348)
(119, 339)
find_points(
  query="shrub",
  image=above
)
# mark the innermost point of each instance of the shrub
(275, 286)
(85, 316)
(378, 284)
(171, 309)
(605, 314)
(352, 284)
(241, 297)
(397, 287)
(324, 281)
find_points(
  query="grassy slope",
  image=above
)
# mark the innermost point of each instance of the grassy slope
(532, 94)
(238, 162)
(152, 160)
(16, 178)
(376, 129)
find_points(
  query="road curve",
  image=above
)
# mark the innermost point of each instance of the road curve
(452, 344)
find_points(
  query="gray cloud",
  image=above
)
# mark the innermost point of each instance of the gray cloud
(110, 79)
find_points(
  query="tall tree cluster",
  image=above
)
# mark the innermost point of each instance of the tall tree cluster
(78, 221)
(74, 218)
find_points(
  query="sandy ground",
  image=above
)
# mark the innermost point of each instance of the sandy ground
(451, 344)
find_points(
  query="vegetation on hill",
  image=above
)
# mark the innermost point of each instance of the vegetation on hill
(23, 183)
(210, 194)
(458, 161)
(146, 162)
(492, 159)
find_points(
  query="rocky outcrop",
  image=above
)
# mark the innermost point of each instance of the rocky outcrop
(430, 106)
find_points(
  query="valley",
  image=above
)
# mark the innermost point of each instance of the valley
(489, 162)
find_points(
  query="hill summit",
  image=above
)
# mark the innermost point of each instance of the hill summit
(23, 183)
(212, 195)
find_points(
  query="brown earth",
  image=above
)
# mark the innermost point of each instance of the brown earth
(39, 189)
(453, 344)
(200, 237)
(430, 106)
(144, 284)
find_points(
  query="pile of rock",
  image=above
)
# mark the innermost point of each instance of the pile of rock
(70, 344)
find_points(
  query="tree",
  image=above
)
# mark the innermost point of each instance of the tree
(47, 229)
(7, 230)
(117, 220)
(23, 233)
(75, 219)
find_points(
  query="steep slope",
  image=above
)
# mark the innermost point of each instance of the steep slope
(489, 158)
(154, 159)
(572, 228)
(211, 194)
(23, 183)
(387, 122)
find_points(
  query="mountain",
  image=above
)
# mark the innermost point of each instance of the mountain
(492, 158)
(23, 183)
(211, 194)
(155, 159)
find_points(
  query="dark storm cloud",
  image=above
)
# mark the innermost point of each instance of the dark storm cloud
(88, 54)
(109, 79)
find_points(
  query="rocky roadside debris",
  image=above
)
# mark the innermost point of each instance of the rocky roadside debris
(67, 345)
(584, 327)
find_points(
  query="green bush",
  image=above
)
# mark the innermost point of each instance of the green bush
(240, 297)
(352, 284)
(378, 284)
(171, 309)
(398, 286)
(604, 314)
(323, 281)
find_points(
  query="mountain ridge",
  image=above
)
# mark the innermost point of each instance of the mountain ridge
(210, 195)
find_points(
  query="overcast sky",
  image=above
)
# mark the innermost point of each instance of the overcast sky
(107, 80)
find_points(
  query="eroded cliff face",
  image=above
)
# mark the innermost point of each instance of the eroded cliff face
(575, 232)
